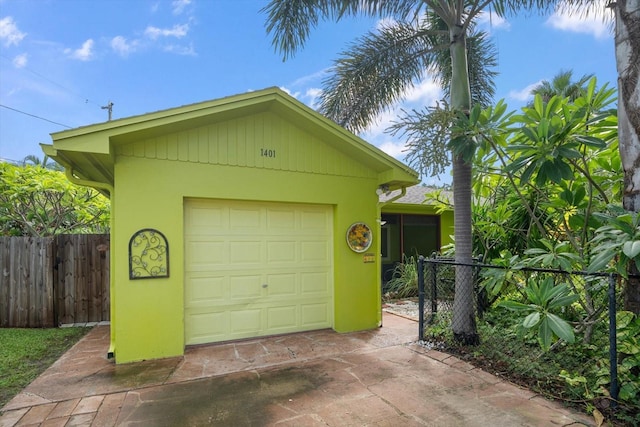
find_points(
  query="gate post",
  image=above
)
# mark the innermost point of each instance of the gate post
(420, 298)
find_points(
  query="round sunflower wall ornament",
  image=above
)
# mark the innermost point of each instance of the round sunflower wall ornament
(359, 237)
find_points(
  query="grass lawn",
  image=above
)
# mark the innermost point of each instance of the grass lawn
(26, 353)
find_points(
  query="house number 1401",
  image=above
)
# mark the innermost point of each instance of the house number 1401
(267, 153)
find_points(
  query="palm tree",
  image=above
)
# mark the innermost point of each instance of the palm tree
(354, 98)
(627, 40)
(376, 72)
(563, 86)
(44, 163)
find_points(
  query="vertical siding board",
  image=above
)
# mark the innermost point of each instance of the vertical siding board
(161, 147)
(251, 147)
(172, 147)
(296, 141)
(223, 147)
(138, 149)
(241, 141)
(283, 149)
(183, 146)
(214, 144)
(150, 148)
(232, 143)
(192, 137)
(267, 141)
(260, 142)
(203, 145)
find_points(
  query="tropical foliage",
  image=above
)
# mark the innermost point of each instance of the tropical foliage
(548, 185)
(36, 201)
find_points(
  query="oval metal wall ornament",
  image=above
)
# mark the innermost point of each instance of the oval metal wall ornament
(359, 237)
(148, 255)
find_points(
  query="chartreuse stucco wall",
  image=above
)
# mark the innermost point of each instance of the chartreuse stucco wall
(226, 160)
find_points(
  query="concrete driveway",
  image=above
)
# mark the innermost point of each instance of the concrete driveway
(320, 378)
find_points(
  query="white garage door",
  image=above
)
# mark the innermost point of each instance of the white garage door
(254, 269)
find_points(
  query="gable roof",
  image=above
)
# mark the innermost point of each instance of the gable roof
(88, 152)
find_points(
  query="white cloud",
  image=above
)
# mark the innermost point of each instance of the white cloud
(177, 31)
(9, 32)
(122, 46)
(288, 92)
(395, 149)
(525, 93)
(310, 78)
(311, 97)
(491, 20)
(426, 92)
(21, 60)
(180, 50)
(179, 6)
(596, 22)
(84, 53)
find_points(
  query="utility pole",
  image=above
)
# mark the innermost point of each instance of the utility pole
(108, 107)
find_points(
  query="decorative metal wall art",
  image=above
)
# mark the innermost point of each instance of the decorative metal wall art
(148, 255)
(359, 237)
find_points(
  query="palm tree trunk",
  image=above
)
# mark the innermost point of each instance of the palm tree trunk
(627, 39)
(464, 313)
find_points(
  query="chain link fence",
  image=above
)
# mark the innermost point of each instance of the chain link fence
(551, 330)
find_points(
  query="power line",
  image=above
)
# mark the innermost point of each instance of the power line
(37, 117)
(86, 100)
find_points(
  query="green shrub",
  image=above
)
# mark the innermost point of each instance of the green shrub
(404, 282)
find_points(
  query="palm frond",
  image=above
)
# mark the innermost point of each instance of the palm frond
(291, 21)
(376, 71)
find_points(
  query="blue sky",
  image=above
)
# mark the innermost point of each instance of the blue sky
(62, 60)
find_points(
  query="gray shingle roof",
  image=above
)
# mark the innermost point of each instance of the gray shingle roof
(416, 195)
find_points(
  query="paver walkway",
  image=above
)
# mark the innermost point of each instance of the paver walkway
(320, 378)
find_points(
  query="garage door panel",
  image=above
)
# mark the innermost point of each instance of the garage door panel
(314, 315)
(245, 220)
(206, 255)
(248, 252)
(279, 285)
(245, 286)
(280, 221)
(207, 219)
(314, 251)
(206, 290)
(314, 283)
(245, 320)
(314, 222)
(207, 327)
(266, 268)
(282, 317)
(281, 251)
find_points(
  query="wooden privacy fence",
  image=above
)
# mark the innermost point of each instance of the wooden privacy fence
(51, 281)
